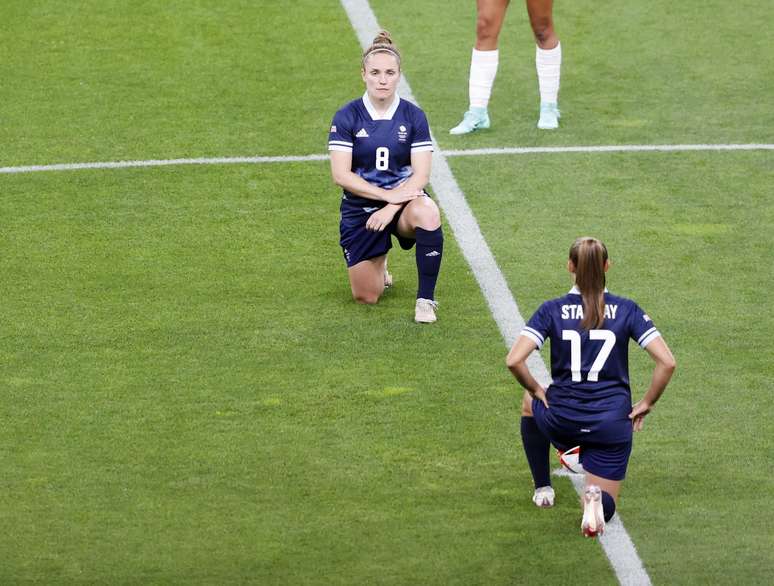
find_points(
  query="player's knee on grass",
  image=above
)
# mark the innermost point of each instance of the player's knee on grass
(365, 298)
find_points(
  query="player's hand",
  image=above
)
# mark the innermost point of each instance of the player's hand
(401, 194)
(541, 396)
(380, 219)
(639, 411)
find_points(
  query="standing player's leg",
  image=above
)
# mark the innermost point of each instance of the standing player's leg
(367, 279)
(537, 449)
(548, 61)
(421, 220)
(483, 64)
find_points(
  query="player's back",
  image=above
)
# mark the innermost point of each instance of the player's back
(590, 368)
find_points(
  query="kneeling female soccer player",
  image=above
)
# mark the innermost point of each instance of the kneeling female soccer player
(589, 401)
(381, 151)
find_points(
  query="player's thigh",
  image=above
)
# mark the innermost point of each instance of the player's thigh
(542, 22)
(490, 15)
(366, 279)
(421, 212)
(526, 405)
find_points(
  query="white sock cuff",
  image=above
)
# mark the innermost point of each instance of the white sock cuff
(549, 56)
(485, 57)
(483, 70)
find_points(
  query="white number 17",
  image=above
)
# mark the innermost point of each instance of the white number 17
(575, 352)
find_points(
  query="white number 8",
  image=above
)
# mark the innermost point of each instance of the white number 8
(382, 158)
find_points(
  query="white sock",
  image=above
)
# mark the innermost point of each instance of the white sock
(548, 64)
(483, 69)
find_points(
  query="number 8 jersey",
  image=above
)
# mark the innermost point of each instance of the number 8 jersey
(589, 365)
(381, 146)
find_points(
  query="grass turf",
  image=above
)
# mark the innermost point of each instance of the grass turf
(190, 395)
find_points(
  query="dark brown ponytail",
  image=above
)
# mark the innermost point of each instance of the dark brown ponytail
(589, 255)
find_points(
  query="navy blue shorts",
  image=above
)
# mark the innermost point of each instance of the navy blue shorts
(605, 440)
(360, 244)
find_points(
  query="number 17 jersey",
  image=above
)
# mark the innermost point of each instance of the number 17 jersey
(590, 366)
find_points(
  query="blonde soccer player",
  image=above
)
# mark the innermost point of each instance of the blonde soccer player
(381, 151)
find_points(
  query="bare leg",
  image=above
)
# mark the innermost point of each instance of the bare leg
(612, 487)
(419, 213)
(489, 22)
(366, 279)
(548, 61)
(542, 22)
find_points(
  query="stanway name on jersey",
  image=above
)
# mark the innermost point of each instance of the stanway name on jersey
(576, 311)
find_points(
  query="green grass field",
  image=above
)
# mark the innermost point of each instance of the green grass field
(188, 393)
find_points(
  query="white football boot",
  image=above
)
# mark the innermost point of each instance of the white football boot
(543, 497)
(549, 116)
(474, 119)
(424, 311)
(593, 523)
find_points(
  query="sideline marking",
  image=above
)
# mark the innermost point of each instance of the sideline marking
(624, 148)
(620, 551)
(162, 163)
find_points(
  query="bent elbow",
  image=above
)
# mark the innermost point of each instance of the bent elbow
(337, 179)
(512, 363)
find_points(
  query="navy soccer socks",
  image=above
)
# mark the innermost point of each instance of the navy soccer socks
(608, 506)
(429, 244)
(536, 447)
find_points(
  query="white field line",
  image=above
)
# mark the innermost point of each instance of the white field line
(624, 148)
(621, 552)
(162, 163)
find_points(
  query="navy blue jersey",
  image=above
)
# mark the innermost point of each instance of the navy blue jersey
(590, 366)
(381, 146)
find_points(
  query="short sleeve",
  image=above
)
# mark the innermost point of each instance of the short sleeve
(341, 136)
(538, 326)
(421, 140)
(641, 327)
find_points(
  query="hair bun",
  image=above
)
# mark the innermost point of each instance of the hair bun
(383, 38)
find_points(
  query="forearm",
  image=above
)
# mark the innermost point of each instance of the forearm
(661, 377)
(418, 181)
(355, 184)
(525, 378)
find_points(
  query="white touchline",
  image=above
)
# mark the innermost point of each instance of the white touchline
(623, 148)
(163, 163)
(614, 148)
(621, 552)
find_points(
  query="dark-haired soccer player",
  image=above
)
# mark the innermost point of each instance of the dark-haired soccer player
(381, 151)
(589, 401)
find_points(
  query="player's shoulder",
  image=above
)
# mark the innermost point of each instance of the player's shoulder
(620, 301)
(351, 109)
(410, 109)
(553, 306)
